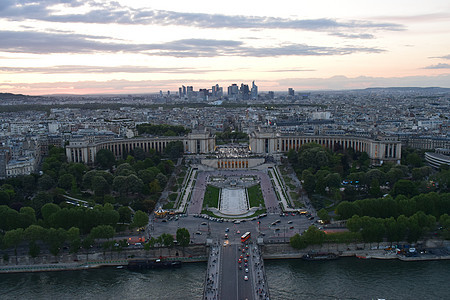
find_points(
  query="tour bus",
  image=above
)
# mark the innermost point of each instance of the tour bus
(245, 237)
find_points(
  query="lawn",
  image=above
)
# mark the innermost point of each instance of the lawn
(211, 197)
(255, 196)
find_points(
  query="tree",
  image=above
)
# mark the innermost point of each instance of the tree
(66, 181)
(87, 244)
(124, 214)
(73, 236)
(155, 187)
(309, 181)
(40, 200)
(102, 232)
(414, 160)
(100, 186)
(183, 237)
(55, 238)
(105, 158)
(374, 190)
(140, 219)
(333, 180)
(404, 187)
(34, 249)
(298, 242)
(354, 223)
(167, 239)
(347, 209)
(13, 238)
(45, 182)
(323, 215)
(35, 233)
(49, 209)
(314, 236)
(124, 170)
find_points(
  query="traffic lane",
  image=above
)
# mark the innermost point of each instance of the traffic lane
(229, 273)
(246, 287)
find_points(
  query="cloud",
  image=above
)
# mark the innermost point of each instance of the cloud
(290, 70)
(70, 69)
(442, 57)
(46, 43)
(438, 66)
(114, 12)
(353, 36)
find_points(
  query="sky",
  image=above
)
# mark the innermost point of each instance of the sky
(137, 46)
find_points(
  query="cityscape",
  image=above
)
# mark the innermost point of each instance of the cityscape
(244, 151)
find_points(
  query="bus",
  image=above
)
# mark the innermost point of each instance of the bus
(245, 237)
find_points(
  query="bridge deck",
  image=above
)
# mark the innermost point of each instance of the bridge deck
(229, 280)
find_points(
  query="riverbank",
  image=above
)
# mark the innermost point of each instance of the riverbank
(434, 250)
(72, 262)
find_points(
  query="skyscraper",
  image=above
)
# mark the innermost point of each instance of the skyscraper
(254, 91)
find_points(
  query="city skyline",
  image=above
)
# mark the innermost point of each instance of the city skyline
(74, 47)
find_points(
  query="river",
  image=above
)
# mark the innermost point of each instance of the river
(345, 278)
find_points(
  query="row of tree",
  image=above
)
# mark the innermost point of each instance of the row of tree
(431, 203)
(373, 230)
(162, 130)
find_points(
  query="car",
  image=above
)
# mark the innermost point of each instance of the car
(246, 265)
(239, 261)
(198, 232)
(277, 229)
(226, 236)
(290, 222)
(242, 256)
(247, 255)
(292, 227)
(204, 223)
(240, 267)
(245, 277)
(238, 232)
(245, 260)
(164, 220)
(277, 221)
(311, 218)
(246, 270)
(227, 229)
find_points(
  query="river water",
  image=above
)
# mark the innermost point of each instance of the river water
(345, 278)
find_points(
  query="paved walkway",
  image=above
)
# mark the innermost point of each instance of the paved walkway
(233, 201)
(211, 287)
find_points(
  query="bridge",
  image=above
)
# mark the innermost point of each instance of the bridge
(229, 279)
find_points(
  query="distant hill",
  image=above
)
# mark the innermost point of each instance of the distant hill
(409, 89)
(10, 96)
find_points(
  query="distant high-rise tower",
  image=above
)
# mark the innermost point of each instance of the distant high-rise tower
(291, 92)
(184, 90)
(254, 91)
(271, 95)
(244, 92)
(233, 90)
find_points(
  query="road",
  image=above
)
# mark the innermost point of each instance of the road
(233, 285)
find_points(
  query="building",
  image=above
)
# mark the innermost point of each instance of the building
(82, 150)
(291, 92)
(437, 159)
(379, 149)
(254, 91)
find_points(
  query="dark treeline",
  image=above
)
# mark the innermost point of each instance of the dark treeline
(162, 130)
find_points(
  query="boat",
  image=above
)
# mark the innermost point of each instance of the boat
(320, 256)
(140, 264)
(363, 256)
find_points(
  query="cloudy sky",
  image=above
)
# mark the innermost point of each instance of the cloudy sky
(137, 46)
